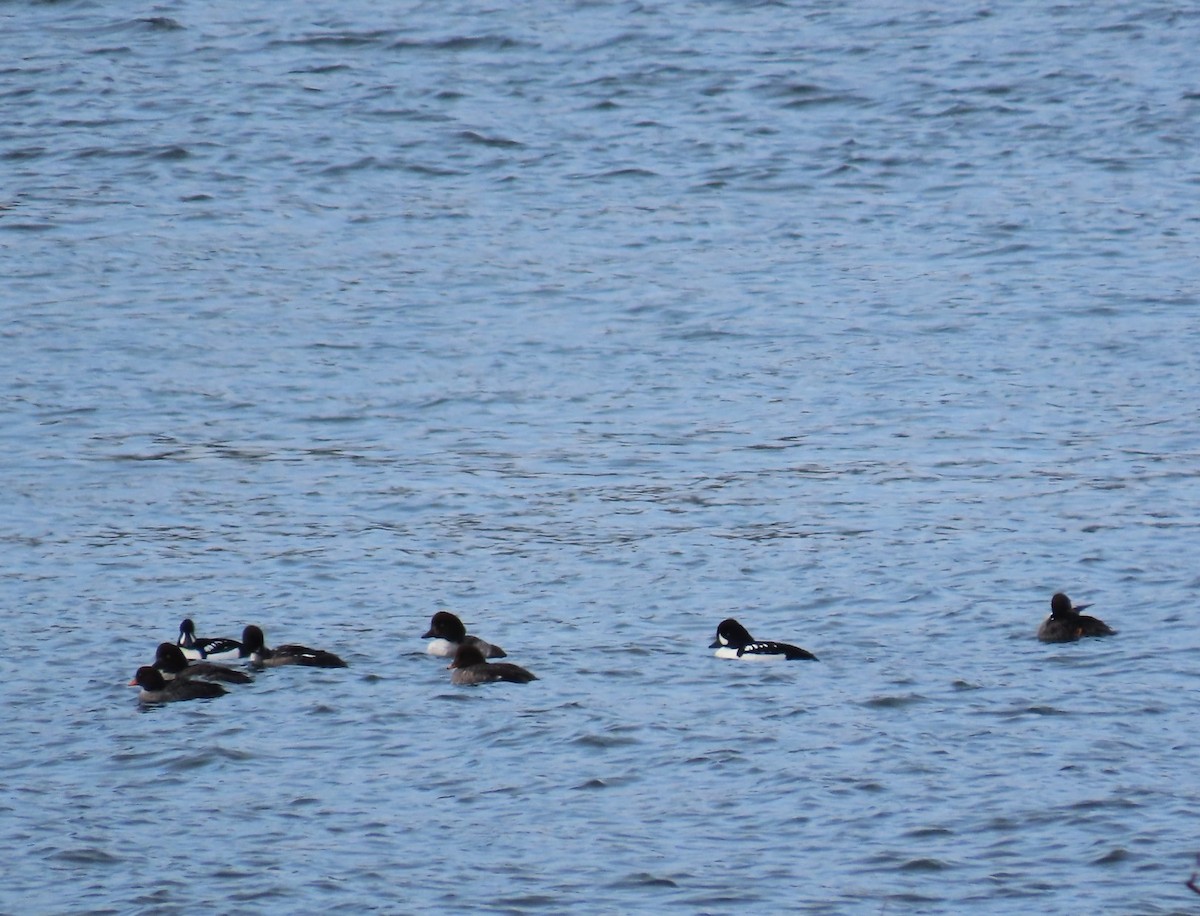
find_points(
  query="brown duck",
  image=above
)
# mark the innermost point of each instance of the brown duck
(1066, 624)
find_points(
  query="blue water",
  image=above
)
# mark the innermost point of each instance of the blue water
(870, 325)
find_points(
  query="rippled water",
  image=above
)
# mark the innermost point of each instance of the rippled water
(872, 326)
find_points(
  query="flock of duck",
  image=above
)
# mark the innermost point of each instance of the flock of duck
(192, 668)
(195, 668)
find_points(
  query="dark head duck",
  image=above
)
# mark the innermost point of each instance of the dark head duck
(155, 689)
(470, 668)
(254, 642)
(448, 633)
(734, 641)
(195, 647)
(1066, 624)
(172, 663)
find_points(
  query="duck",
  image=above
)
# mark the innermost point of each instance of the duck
(157, 690)
(171, 663)
(448, 633)
(208, 648)
(1066, 624)
(734, 641)
(471, 668)
(253, 642)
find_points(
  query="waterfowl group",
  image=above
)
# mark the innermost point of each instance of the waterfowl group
(1065, 624)
(469, 655)
(188, 670)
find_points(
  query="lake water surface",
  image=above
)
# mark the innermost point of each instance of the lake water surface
(871, 325)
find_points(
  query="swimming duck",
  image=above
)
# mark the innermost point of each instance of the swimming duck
(253, 642)
(448, 633)
(208, 648)
(471, 668)
(156, 690)
(171, 663)
(1066, 624)
(734, 641)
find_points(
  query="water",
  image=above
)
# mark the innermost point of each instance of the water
(872, 326)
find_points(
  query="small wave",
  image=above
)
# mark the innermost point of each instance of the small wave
(473, 137)
(924, 832)
(832, 98)
(161, 24)
(925, 864)
(527, 901)
(366, 162)
(205, 757)
(604, 741)
(28, 227)
(321, 69)
(1047, 711)
(459, 43)
(894, 701)
(803, 95)
(333, 40)
(628, 172)
(594, 783)
(21, 154)
(87, 855)
(644, 879)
